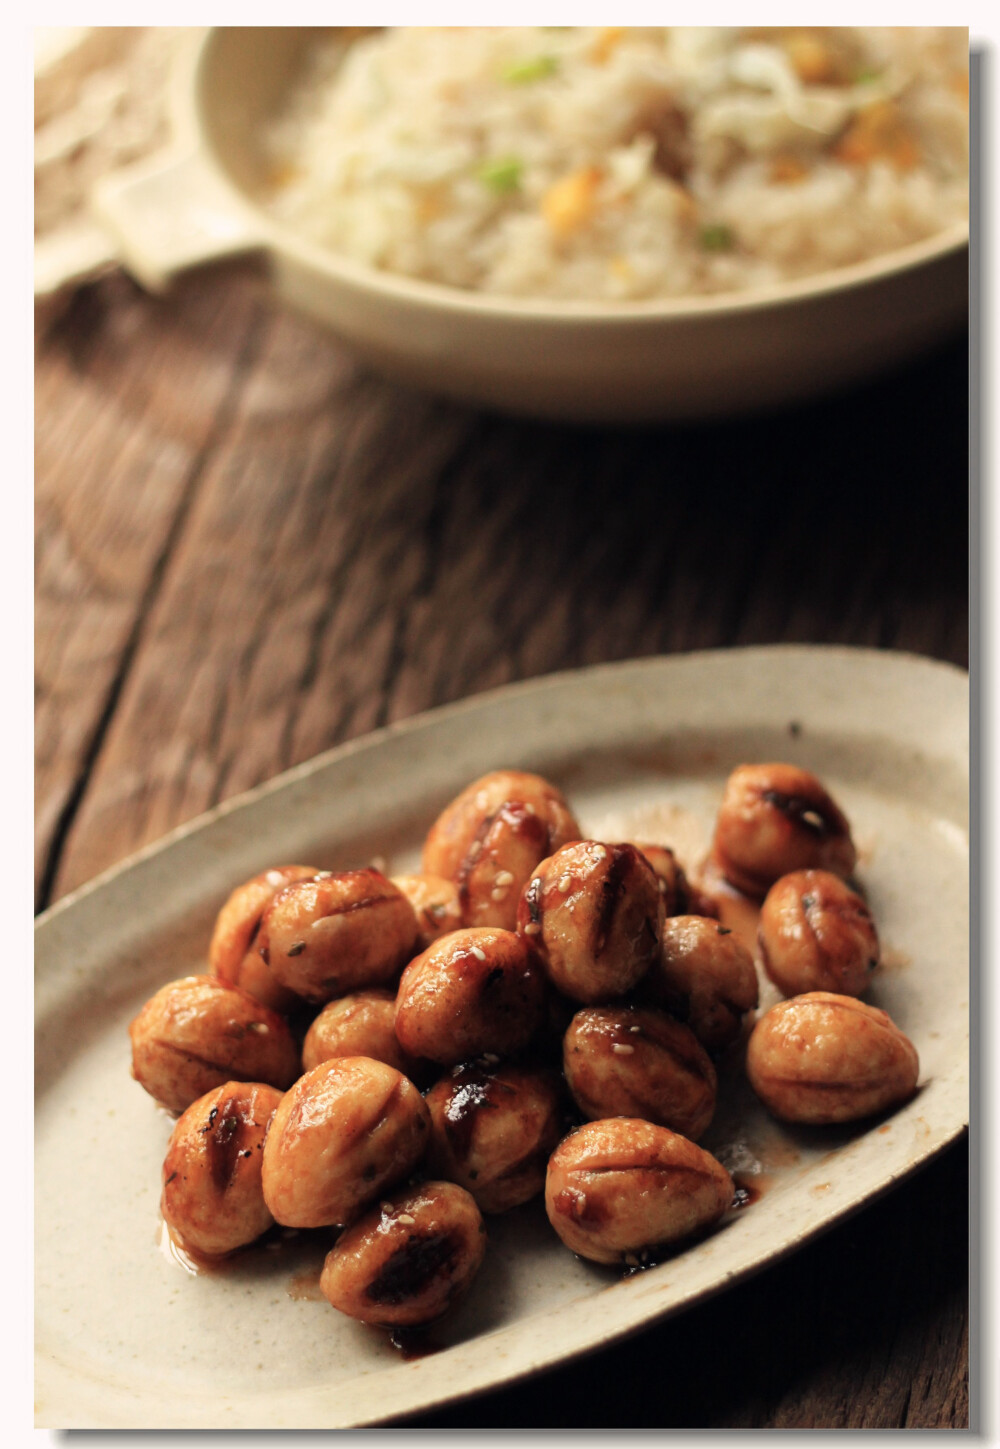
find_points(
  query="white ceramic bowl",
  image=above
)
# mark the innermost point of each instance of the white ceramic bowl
(680, 358)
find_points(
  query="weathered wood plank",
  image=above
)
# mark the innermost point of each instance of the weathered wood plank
(126, 401)
(381, 553)
(297, 550)
(360, 554)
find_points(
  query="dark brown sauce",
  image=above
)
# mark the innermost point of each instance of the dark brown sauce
(657, 1254)
(611, 890)
(304, 1287)
(580, 1206)
(646, 1258)
(408, 1271)
(412, 1343)
(526, 824)
(277, 1239)
(800, 812)
(224, 1141)
(177, 1251)
(892, 959)
(776, 1151)
(748, 1191)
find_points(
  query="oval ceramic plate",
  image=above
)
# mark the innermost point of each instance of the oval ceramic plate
(126, 1338)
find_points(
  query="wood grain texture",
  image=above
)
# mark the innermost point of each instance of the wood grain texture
(338, 553)
(127, 406)
(249, 550)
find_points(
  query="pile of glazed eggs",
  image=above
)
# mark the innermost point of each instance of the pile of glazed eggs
(391, 1059)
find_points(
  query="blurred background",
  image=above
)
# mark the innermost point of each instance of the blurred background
(252, 547)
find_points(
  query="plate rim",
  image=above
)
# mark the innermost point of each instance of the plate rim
(468, 704)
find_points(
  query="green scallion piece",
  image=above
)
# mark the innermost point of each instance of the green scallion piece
(523, 72)
(716, 238)
(502, 175)
(865, 77)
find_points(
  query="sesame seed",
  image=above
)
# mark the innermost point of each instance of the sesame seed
(503, 878)
(635, 1028)
(622, 1050)
(532, 928)
(406, 1218)
(479, 953)
(497, 895)
(323, 875)
(387, 1207)
(631, 1260)
(377, 862)
(490, 1058)
(565, 881)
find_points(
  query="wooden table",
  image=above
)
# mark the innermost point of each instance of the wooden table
(249, 550)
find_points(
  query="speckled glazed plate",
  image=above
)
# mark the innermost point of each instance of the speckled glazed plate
(126, 1338)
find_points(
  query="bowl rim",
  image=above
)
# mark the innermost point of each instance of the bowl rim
(191, 100)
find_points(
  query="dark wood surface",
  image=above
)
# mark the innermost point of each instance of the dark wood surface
(250, 549)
